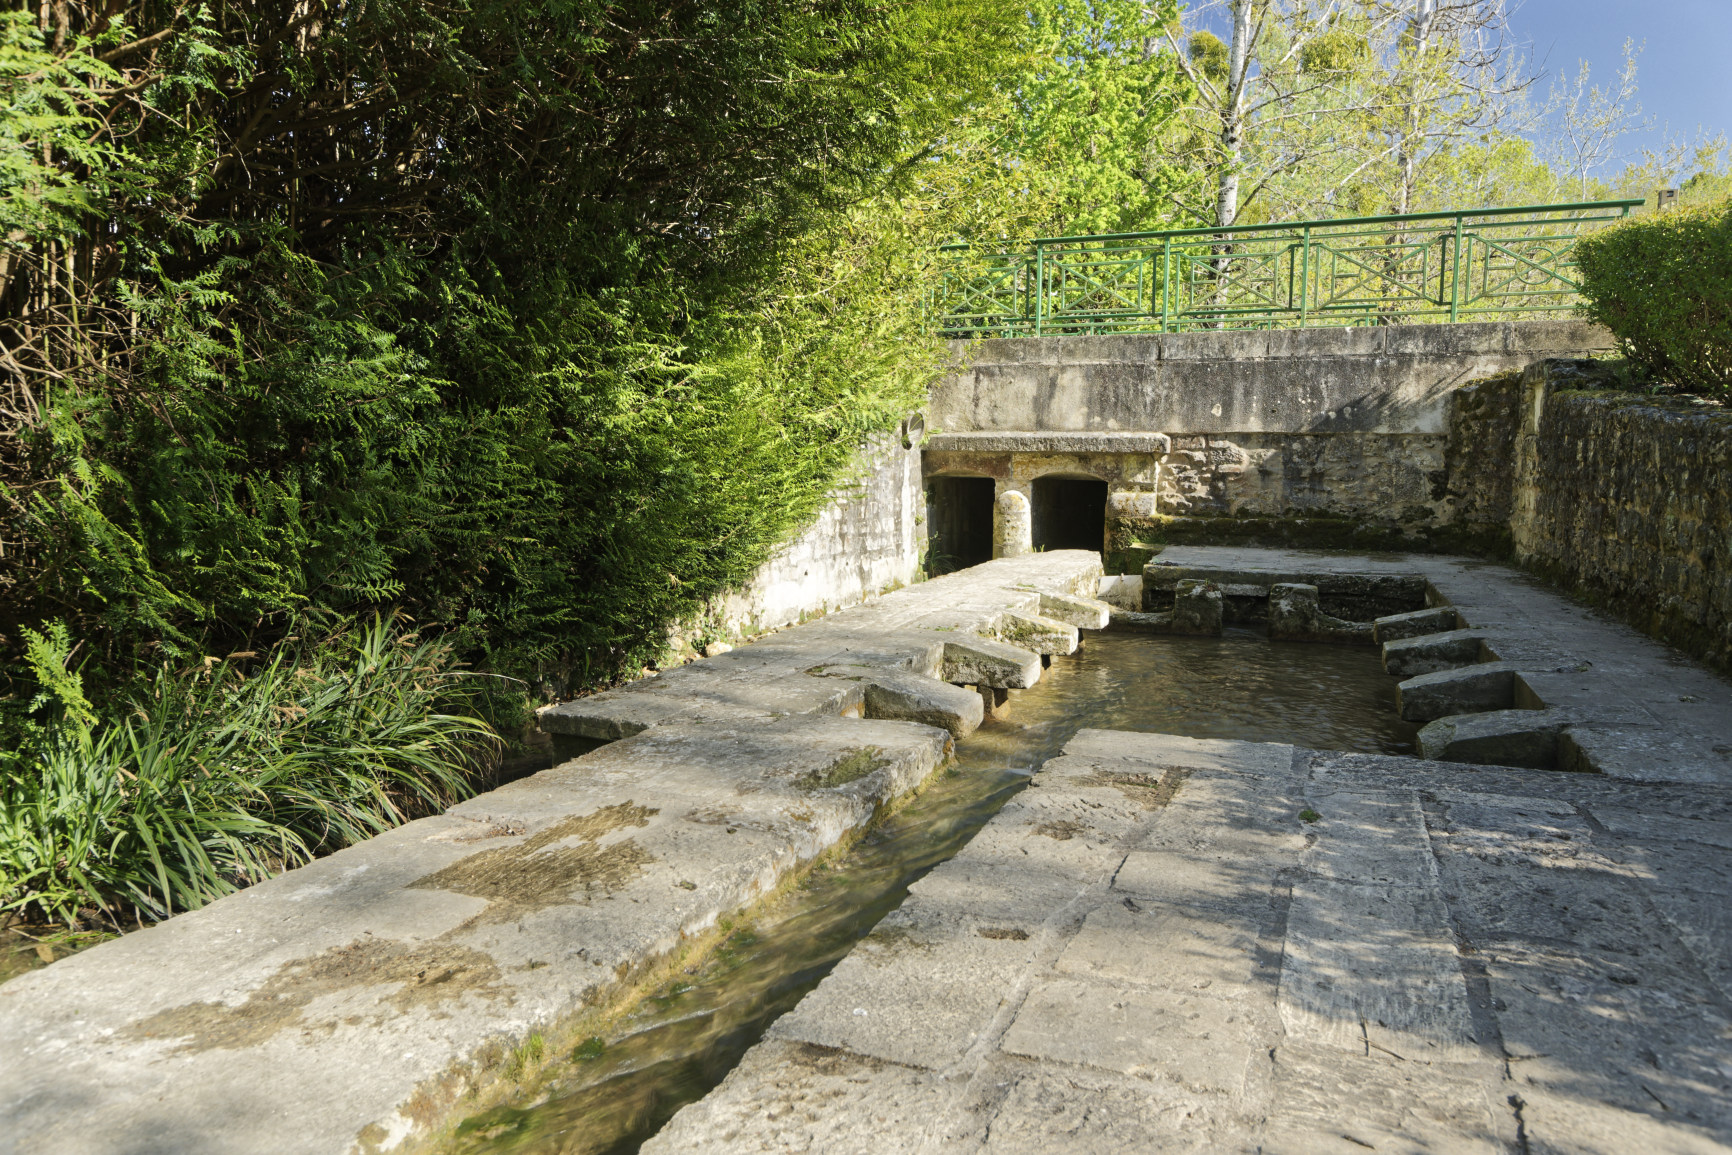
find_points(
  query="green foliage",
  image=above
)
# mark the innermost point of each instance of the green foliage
(1337, 52)
(48, 654)
(218, 776)
(1209, 54)
(1663, 285)
(1085, 122)
(571, 316)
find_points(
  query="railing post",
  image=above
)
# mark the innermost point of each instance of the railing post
(1305, 278)
(1039, 289)
(1166, 284)
(1455, 273)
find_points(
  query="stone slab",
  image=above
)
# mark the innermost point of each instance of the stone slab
(929, 628)
(1037, 633)
(345, 1002)
(1429, 653)
(1527, 738)
(1037, 441)
(1082, 612)
(1472, 690)
(893, 695)
(1434, 620)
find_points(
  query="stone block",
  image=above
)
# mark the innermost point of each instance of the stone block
(1296, 614)
(1429, 653)
(1141, 623)
(1083, 613)
(983, 662)
(1042, 635)
(799, 1097)
(1527, 738)
(1474, 690)
(1375, 965)
(1395, 627)
(1643, 753)
(1195, 1037)
(1121, 591)
(1197, 608)
(902, 697)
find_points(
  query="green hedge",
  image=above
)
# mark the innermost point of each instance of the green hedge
(1663, 286)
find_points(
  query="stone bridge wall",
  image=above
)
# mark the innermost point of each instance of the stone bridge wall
(867, 540)
(1362, 437)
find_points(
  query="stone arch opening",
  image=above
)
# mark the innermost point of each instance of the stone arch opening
(1070, 513)
(959, 512)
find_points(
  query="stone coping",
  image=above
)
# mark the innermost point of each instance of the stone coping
(1051, 442)
(1178, 944)
(349, 1005)
(1568, 338)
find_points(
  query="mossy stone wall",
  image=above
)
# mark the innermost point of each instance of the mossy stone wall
(1627, 500)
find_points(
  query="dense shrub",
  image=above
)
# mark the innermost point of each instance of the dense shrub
(1663, 286)
(224, 774)
(543, 319)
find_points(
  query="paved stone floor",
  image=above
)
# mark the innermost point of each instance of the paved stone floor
(1169, 944)
(1172, 944)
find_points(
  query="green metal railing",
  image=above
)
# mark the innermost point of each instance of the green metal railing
(1492, 264)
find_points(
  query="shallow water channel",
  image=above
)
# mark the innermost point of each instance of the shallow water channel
(611, 1094)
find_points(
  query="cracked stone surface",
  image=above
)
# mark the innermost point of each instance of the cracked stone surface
(348, 1005)
(1173, 944)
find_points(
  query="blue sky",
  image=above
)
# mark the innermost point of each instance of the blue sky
(1684, 72)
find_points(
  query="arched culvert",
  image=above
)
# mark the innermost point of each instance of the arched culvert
(1070, 513)
(959, 512)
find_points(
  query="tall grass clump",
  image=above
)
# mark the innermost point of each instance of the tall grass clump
(213, 778)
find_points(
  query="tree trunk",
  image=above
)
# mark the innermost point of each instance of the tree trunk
(1233, 115)
(1408, 155)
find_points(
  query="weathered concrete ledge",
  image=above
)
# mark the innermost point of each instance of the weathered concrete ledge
(1169, 944)
(1495, 641)
(947, 630)
(348, 1005)
(1013, 441)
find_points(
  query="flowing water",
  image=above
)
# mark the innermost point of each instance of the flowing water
(611, 1094)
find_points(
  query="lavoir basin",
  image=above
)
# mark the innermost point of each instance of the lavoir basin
(611, 1093)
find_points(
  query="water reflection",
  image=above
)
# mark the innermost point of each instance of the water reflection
(613, 1094)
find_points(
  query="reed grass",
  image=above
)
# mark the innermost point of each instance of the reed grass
(217, 777)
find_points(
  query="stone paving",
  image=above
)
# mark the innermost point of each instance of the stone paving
(348, 1005)
(1164, 945)
(1171, 944)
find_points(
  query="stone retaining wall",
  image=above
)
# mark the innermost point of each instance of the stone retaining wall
(1370, 438)
(868, 539)
(1627, 500)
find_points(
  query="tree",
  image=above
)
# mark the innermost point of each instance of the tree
(1318, 106)
(545, 319)
(1085, 122)
(1588, 122)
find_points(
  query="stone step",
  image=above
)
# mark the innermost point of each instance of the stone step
(1429, 653)
(1436, 620)
(1473, 690)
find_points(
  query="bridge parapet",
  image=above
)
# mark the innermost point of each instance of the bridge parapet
(1348, 436)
